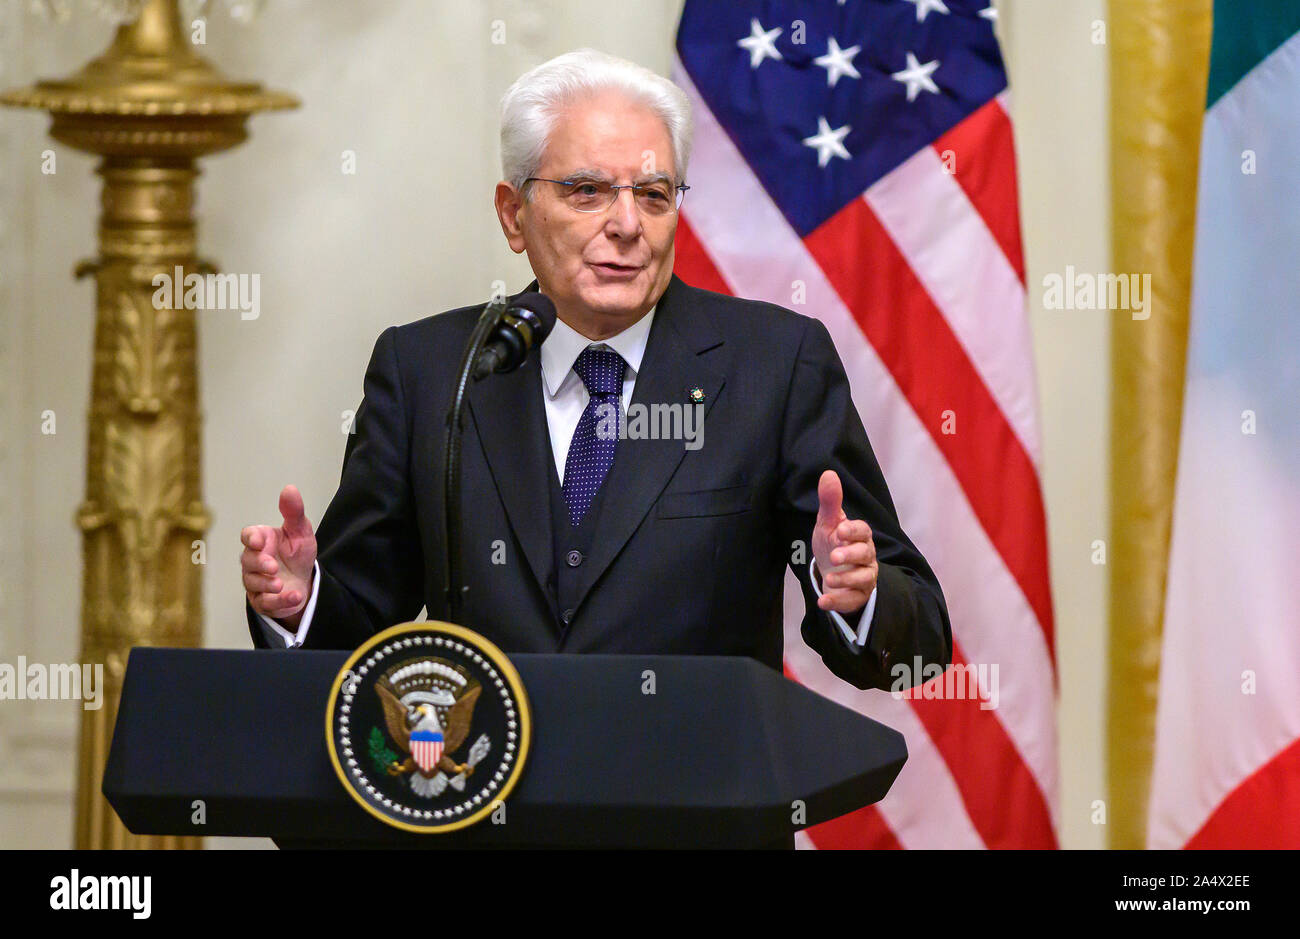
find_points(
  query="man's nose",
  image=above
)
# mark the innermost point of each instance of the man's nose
(624, 218)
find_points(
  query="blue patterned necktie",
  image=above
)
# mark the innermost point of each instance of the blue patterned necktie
(591, 452)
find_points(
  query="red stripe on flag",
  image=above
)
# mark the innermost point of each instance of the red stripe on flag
(934, 373)
(983, 160)
(692, 262)
(1001, 795)
(1263, 812)
(861, 829)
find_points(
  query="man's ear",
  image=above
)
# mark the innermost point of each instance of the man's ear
(509, 203)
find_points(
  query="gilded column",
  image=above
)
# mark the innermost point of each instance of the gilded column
(150, 106)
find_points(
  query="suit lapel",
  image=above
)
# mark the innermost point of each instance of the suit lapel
(670, 368)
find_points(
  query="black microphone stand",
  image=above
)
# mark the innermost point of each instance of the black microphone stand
(455, 590)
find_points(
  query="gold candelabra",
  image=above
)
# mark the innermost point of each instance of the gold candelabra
(149, 107)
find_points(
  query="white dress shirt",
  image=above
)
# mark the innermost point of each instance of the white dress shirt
(564, 393)
(565, 398)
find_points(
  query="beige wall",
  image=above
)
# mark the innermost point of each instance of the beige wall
(411, 88)
(1060, 107)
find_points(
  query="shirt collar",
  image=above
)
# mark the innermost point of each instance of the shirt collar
(563, 346)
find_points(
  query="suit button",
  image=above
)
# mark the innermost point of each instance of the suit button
(573, 558)
(567, 616)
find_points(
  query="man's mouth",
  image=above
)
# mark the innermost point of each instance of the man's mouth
(615, 269)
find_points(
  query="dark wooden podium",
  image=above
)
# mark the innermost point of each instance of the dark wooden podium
(722, 755)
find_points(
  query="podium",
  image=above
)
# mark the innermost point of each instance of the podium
(650, 751)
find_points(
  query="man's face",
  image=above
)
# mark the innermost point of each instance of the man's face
(603, 269)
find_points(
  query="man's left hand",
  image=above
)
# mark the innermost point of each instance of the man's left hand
(845, 552)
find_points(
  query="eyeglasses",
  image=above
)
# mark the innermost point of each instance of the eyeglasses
(597, 195)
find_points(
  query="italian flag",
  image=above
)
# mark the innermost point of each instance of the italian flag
(1227, 760)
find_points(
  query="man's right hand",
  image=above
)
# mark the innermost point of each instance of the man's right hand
(278, 563)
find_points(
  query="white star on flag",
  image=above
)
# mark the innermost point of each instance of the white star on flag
(917, 77)
(838, 62)
(828, 142)
(760, 45)
(923, 8)
(989, 13)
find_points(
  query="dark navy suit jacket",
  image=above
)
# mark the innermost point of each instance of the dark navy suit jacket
(691, 546)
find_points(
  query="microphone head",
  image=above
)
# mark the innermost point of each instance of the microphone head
(542, 310)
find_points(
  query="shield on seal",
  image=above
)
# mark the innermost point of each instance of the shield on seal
(426, 748)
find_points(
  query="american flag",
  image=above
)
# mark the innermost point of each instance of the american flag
(853, 160)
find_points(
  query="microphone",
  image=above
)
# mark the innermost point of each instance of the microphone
(525, 324)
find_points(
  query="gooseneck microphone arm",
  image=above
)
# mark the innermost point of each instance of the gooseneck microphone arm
(501, 340)
(455, 590)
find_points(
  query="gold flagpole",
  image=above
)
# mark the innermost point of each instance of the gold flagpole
(1159, 60)
(150, 107)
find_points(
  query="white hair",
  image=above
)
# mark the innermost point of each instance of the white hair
(530, 106)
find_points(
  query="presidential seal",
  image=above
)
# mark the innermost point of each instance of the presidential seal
(428, 727)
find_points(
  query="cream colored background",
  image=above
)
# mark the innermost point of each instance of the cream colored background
(411, 87)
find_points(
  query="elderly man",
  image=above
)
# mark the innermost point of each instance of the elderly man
(576, 539)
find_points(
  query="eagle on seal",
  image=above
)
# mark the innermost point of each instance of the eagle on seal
(428, 722)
